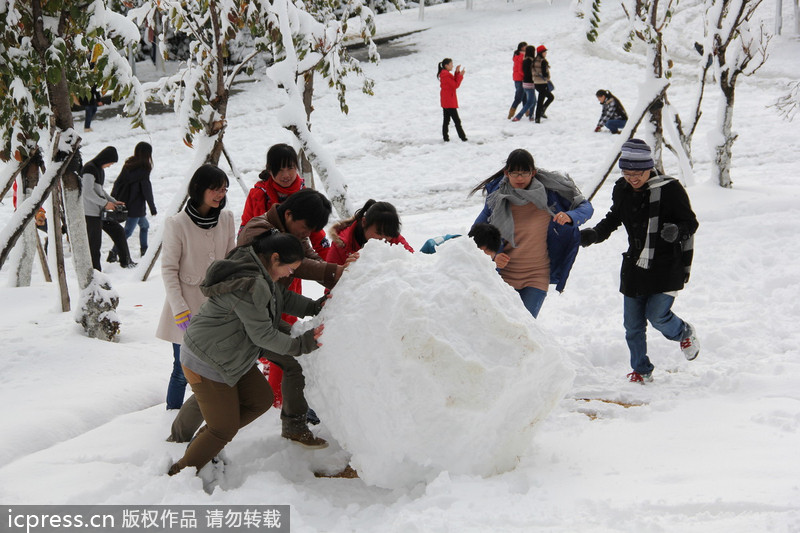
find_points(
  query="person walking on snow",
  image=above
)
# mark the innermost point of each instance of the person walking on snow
(658, 217)
(542, 83)
(449, 83)
(518, 76)
(528, 86)
(133, 188)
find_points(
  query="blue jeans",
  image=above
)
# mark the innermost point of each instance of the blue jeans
(532, 299)
(530, 103)
(615, 124)
(519, 95)
(91, 111)
(176, 389)
(637, 311)
(130, 225)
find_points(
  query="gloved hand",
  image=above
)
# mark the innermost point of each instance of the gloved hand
(588, 237)
(182, 320)
(598, 128)
(669, 232)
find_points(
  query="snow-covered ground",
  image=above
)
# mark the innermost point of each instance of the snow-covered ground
(709, 446)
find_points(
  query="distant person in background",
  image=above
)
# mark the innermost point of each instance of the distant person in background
(95, 201)
(518, 76)
(613, 116)
(133, 187)
(527, 85)
(541, 79)
(538, 213)
(658, 217)
(193, 239)
(90, 105)
(449, 83)
(376, 220)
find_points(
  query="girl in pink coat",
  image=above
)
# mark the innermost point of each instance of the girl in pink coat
(450, 82)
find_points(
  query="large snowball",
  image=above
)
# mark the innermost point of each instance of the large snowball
(431, 363)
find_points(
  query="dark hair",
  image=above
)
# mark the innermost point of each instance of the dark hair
(519, 159)
(520, 48)
(107, 155)
(486, 235)
(380, 215)
(142, 157)
(280, 156)
(286, 245)
(442, 63)
(206, 177)
(308, 205)
(530, 51)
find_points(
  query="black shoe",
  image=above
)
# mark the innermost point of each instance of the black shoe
(538, 120)
(142, 251)
(311, 417)
(544, 116)
(446, 140)
(112, 257)
(464, 139)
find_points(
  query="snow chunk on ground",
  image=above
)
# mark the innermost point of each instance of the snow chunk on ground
(431, 363)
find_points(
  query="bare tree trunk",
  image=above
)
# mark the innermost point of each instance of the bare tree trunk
(58, 243)
(306, 170)
(778, 16)
(724, 149)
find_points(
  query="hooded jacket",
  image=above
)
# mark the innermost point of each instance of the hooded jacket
(93, 176)
(242, 316)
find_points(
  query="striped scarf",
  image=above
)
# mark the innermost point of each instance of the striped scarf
(654, 185)
(204, 222)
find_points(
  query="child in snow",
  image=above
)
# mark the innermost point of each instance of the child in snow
(376, 220)
(133, 187)
(240, 321)
(447, 95)
(658, 217)
(538, 213)
(613, 116)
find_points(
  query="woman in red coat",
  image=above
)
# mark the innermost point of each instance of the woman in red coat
(376, 220)
(450, 82)
(518, 75)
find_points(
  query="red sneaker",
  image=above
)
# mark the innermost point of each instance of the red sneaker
(635, 377)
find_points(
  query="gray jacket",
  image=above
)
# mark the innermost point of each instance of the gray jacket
(242, 316)
(94, 197)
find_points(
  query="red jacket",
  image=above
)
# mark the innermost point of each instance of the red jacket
(338, 253)
(449, 85)
(518, 73)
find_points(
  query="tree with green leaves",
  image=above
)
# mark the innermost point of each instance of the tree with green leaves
(51, 50)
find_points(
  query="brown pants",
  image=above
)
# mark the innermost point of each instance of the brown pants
(293, 410)
(225, 410)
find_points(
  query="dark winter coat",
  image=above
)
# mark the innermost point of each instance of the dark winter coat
(242, 316)
(631, 209)
(449, 84)
(562, 241)
(134, 188)
(527, 70)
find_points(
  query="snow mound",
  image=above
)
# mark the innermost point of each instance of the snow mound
(404, 383)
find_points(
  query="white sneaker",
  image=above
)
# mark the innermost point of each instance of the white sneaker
(689, 345)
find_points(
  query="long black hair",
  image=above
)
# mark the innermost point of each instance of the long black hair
(442, 63)
(280, 156)
(520, 48)
(519, 159)
(380, 215)
(286, 245)
(142, 157)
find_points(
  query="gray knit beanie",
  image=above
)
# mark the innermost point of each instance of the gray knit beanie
(636, 155)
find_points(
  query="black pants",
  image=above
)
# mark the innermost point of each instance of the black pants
(94, 229)
(451, 112)
(545, 99)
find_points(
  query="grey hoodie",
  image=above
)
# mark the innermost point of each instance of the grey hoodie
(242, 316)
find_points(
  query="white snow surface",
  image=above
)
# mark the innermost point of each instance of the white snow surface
(711, 445)
(429, 372)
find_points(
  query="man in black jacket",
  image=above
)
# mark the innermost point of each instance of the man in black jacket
(658, 217)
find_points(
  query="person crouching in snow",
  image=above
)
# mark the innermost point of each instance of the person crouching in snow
(240, 322)
(613, 116)
(656, 213)
(449, 83)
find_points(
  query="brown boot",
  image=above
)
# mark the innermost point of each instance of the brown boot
(299, 433)
(511, 112)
